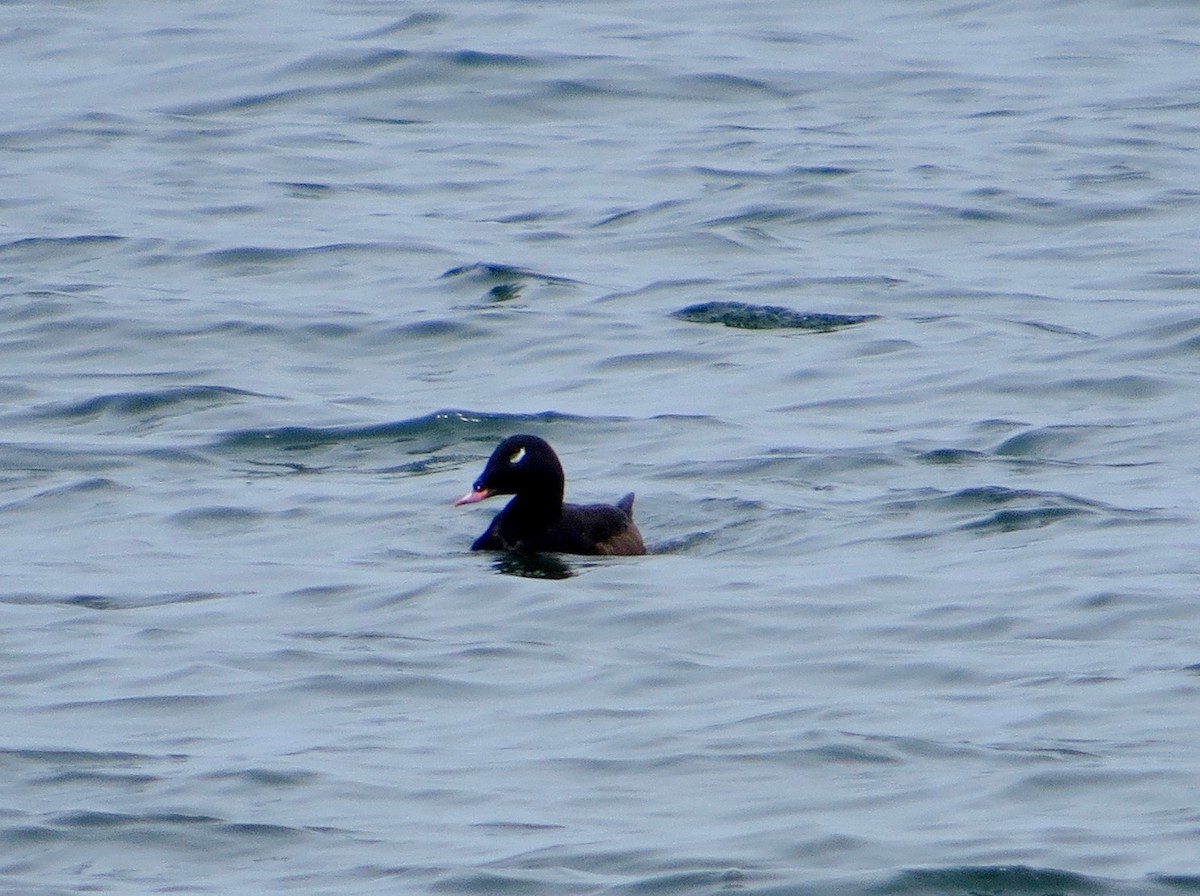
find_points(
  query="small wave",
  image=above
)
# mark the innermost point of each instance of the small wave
(408, 23)
(1186, 883)
(483, 272)
(353, 72)
(502, 282)
(267, 777)
(348, 684)
(86, 818)
(744, 316)
(264, 256)
(996, 509)
(659, 360)
(951, 456)
(1055, 329)
(722, 85)
(144, 404)
(1177, 338)
(218, 519)
(41, 248)
(443, 328)
(479, 59)
(75, 757)
(792, 171)
(681, 544)
(1036, 443)
(1015, 520)
(303, 189)
(109, 601)
(626, 216)
(758, 215)
(1185, 280)
(196, 830)
(1128, 387)
(439, 429)
(346, 62)
(90, 488)
(991, 495)
(250, 102)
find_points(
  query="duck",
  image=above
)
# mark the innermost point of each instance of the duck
(537, 519)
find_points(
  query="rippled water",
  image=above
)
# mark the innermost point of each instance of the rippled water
(886, 311)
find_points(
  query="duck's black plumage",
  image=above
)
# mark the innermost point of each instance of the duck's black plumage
(537, 519)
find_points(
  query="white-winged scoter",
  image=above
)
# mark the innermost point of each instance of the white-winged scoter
(537, 519)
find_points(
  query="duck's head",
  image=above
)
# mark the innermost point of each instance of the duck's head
(520, 465)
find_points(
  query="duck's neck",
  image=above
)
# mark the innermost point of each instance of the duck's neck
(527, 513)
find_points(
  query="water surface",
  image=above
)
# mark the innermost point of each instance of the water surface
(919, 615)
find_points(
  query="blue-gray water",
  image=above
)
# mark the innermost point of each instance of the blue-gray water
(922, 611)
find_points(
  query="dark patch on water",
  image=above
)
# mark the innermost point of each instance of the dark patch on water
(478, 59)
(257, 830)
(1187, 883)
(951, 456)
(1009, 880)
(306, 190)
(504, 292)
(534, 566)
(744, 316)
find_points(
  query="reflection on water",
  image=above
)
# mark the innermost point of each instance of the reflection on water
(534, 566)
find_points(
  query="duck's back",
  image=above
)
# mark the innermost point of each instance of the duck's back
(598, 529)
(594, 529)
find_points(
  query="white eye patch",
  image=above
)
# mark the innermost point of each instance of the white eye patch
(518, 456)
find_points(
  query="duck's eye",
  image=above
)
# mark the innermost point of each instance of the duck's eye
(518, 456)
